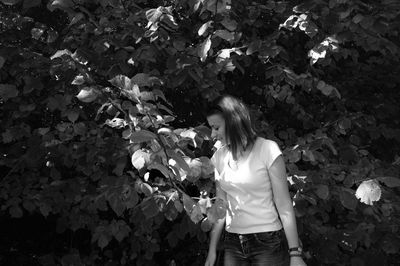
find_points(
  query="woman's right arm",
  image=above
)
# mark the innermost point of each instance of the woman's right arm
(215, 232)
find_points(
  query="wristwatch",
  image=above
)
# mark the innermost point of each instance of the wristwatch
(298, 252)
(298, 249)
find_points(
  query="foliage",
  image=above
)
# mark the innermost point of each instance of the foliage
(102, 107)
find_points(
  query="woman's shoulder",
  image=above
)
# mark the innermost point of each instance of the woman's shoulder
(263, 141)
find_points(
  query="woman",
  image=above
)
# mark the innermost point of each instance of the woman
(250, 176)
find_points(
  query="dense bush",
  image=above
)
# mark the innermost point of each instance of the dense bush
(105, 155)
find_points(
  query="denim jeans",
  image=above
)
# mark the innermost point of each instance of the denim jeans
(258, 249)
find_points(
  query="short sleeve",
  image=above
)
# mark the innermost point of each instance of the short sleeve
(271, 152)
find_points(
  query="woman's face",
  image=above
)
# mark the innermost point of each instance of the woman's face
(217, 124)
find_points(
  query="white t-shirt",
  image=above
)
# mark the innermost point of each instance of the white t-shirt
(248, 188)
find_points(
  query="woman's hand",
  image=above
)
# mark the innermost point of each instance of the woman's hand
(297, 261)
(211, 257)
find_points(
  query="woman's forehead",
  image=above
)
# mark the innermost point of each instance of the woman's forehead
(215, 119)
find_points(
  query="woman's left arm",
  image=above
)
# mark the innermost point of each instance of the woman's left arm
(284, 205)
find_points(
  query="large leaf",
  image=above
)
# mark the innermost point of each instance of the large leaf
(8, 91)
(348, 199)
(368, 192)
(390, 181)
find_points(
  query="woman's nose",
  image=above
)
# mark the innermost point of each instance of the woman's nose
(213, 134)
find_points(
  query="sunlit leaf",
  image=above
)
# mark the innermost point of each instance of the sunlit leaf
(204, 48)
(369, 191)
(204, 27)
(60, 53)
(140, 159)
(154, 14)
(88, 94)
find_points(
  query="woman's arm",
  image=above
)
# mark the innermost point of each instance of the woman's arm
(284, 204)
(215, 232)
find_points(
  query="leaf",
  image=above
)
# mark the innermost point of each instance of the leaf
(8, 91)
(154, 14)
(77, 17)
(253, 47)
(128, 88)
(116, 123)
(160, 167)
(327, 89)
(103, 240)
(390, 181)
(140, 159)
(150, 208)
(188, 203)
(44, 209)
(348, 199)
(2, 61)
(196, 215)
(60, 53)
(116, 203)
(204, 27)
(304, 7)
(87, 94)
(322, 191)
(78, 80)
(143, 79)
(206, 225)
(31, 3)
(61, 4)
(224, 34)
(142, 136)
(146, 189)
(179, 160)
(16, 211)
(229, 24)
(204, 48)
(72, 115)
(10, 2)
(369, 191)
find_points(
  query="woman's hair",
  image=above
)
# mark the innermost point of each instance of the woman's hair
(239, 131)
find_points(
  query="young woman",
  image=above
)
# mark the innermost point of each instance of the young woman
(250, 176)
